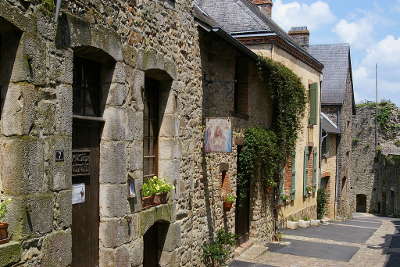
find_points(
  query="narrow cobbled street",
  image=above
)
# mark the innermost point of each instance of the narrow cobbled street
(366, 240)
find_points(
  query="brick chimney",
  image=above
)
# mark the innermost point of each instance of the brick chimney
(301, 35)
(265, 6)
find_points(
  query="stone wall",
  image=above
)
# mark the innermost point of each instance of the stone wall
(141, 37)
(374, 176)
(218, 64)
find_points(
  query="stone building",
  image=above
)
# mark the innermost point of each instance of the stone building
(233, 91)
(107, 95)
(375, 168)
(253, 27)
(337, 102)
(329, 136)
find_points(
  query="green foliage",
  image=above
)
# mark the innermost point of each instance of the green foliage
(270, 148)
(306, 218)
(230, 198)
(3, 208)
(48, 5)
(310, 189)
(217, 252)
(154, 186)
(285, 198)
(397, 143)
(355, 141)
(321, 203)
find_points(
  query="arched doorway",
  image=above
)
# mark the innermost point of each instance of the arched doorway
(154, 240)
(92, 71)
(361, 203)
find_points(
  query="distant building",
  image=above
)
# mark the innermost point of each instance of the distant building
(337, 102)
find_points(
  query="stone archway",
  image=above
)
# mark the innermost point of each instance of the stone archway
(361, 203)
(153, 243)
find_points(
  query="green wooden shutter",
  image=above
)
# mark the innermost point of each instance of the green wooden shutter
(305, 171)
(315, 169)
(293, 183)
(313, 104)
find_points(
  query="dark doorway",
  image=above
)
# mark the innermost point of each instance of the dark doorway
(242, 216)
(361, 203)
(154, 240)
(90, 86)
(383, 203)
(9, 41)
(392, 201)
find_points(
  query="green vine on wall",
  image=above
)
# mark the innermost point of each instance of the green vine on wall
(270, 148)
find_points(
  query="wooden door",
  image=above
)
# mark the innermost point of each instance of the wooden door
(242, 216)
(85, 170)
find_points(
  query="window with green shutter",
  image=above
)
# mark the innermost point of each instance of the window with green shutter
(305, 170)
(313, 104)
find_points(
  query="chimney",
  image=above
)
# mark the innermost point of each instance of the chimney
(265, 6)
(301, 35)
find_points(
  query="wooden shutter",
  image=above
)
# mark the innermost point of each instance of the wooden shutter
(293, 182)
(313, 104)
(315, 169)
(305, 171)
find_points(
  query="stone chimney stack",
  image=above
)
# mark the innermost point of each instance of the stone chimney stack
(301, 35)
(265, 6)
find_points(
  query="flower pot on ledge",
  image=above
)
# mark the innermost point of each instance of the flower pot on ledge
(4, 233)
(228, 206)
(148, 202)
(161, 198)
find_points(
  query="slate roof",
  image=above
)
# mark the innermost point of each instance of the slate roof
(328, 125)
(238, 17)
(336, 60)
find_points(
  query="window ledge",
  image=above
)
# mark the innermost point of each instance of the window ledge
(10, 253)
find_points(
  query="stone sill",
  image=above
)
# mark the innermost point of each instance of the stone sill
(10, 253)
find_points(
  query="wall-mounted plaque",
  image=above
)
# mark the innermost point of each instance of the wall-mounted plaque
(59, 155)
(78, 193)
(80, 162)
(218, 135)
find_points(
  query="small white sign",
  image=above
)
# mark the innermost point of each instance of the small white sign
(78, 193)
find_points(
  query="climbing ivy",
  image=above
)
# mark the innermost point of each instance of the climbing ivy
(270, 148)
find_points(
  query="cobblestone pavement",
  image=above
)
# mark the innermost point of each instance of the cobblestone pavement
(366, 240)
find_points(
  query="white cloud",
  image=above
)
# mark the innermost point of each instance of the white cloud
(314, 16)
(357, 33)
(385, 53)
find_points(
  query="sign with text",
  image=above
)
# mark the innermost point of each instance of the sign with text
(80, 163)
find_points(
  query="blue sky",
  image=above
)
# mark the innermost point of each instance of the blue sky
(371, 27)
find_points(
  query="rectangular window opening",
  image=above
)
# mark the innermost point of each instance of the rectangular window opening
(241, 86)
(151, 127)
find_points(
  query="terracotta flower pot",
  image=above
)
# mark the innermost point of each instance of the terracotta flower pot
(4, 233)
(227, 205)
(148, 202)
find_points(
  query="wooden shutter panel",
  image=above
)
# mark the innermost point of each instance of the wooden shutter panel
(305, 171)
(293, 184)
(315, 169)
(313, 104)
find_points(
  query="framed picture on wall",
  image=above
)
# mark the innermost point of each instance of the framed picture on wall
(218, 135)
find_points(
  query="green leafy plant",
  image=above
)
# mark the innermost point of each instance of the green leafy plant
(3, 208)
(216, 253)
(271, 183)
(310, 189)
(306, 218)
(285, 198)
(321, 203)
(397, 143)
(154, 186)
(230, 198)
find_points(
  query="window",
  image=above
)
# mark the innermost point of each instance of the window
(151, 127)
(241, 86)
(87, 88)
(324, 147)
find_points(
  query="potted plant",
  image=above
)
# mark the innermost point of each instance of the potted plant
(148, 195)
(228, 202)
(155, 191)
(271, 184)
(285, 198)
(309, 189)
(3, 226)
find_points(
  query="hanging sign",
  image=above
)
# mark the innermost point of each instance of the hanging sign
(218, 135)
(78, 193)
